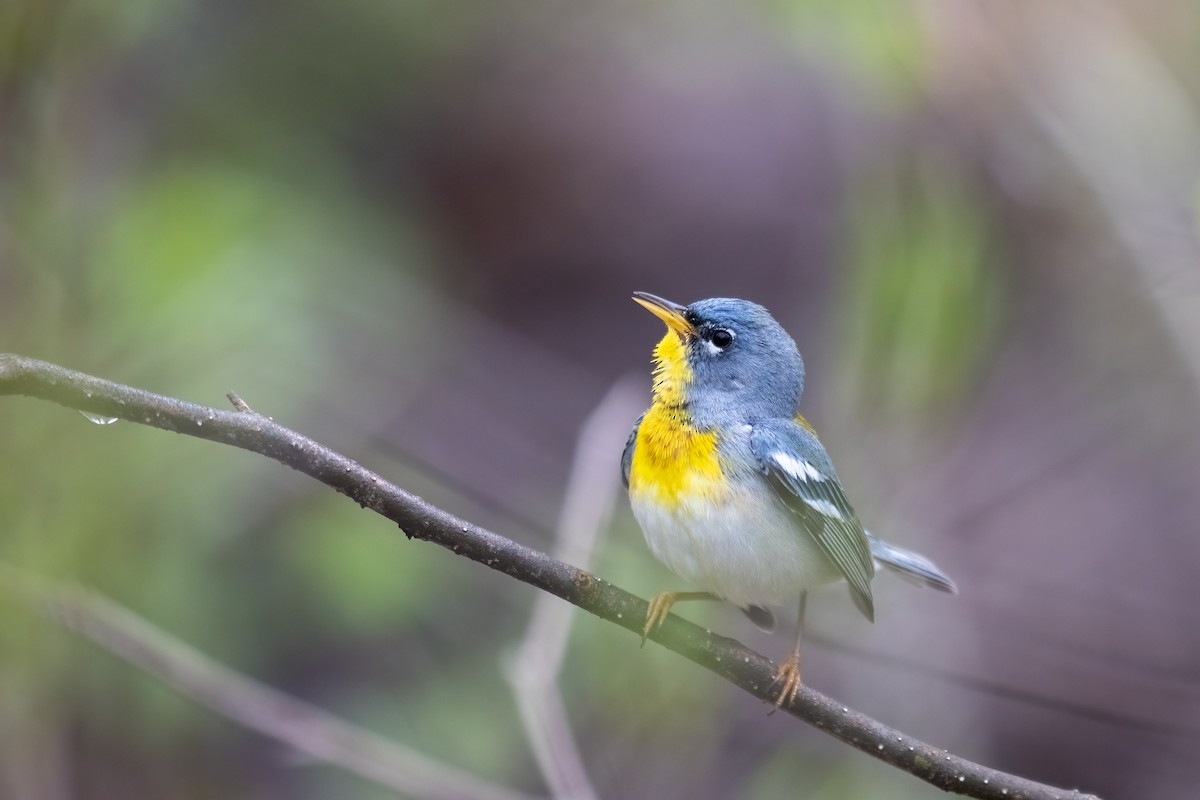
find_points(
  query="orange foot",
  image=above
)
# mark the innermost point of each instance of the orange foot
(659, 610)
(788, 677)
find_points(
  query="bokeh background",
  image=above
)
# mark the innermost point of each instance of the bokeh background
(411, 229)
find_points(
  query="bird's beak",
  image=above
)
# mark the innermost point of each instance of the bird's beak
(670, 313)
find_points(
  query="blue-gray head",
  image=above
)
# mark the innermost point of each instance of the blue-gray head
(726, 360)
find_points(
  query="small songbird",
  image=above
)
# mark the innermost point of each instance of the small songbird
(732, 488)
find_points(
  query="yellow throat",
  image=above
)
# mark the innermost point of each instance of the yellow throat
(672, 461)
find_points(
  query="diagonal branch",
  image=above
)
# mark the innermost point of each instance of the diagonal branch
(418, 519)
(303, 727)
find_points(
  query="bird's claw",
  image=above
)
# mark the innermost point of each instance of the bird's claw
(788, 678)
(657, 613)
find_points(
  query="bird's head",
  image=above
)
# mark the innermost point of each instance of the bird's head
(725, 360)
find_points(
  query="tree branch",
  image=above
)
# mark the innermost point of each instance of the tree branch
(418, 519)
(300, 725)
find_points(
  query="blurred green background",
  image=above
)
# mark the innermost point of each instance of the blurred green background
(410, 230)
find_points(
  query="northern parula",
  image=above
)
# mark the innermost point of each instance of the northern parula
(732, 488)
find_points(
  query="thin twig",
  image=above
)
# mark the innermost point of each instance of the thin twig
(238, 403)
(300, 725)
(587, 507)
(418, 519)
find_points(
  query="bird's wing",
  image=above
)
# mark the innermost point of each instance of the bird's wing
(627, 456)
(798, 468)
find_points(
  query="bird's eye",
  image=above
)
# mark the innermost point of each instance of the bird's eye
(722, 338)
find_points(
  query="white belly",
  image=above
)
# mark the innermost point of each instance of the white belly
(747, 550)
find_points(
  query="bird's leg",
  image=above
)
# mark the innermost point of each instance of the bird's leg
(660, 608)
(788, 675)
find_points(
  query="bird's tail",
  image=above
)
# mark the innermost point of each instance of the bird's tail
(913, 567)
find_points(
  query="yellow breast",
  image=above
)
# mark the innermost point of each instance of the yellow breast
(673, 463)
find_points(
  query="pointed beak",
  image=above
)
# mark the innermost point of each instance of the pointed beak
(670, 313)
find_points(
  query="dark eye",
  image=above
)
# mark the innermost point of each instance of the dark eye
(722, 338)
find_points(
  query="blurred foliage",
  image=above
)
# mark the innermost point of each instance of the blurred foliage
(924, 301)
(881, 46)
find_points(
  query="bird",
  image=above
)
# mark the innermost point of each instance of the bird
(732, 488)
